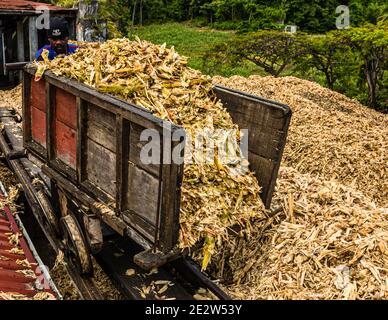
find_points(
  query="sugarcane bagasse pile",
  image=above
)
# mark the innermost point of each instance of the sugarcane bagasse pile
(215, 196)
(331, 239)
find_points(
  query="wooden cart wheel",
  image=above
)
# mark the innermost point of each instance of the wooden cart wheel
(75, 245)
(48, 211)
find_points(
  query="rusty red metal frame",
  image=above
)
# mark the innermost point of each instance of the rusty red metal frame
(11, 281)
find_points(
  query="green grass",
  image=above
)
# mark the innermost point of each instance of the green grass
(194, 42)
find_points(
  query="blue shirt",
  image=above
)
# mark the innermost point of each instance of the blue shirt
(71, 48)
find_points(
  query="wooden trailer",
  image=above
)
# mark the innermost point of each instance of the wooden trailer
(90, 145)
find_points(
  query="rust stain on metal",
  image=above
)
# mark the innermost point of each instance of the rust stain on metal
(20, 275)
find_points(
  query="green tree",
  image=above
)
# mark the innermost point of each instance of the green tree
(273, 51)
(371, 41)
(328, 54)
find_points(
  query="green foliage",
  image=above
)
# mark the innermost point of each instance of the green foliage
(196, 43)
(316, 16)
(371, 43)
(353, 62)
(328, 54)
(272, 51)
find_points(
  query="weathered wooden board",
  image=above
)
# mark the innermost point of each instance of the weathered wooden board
(66, 144)
(143, 227)
(142, 194)
(38, 95)
(100, 167)
(267, 123)
(263, 168)
(66, 108)
(100, 162)
(37, 110)
(38, 126)
(135, 147)
(101, 127)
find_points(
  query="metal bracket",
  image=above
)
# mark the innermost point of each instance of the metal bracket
(17, 154)
(93, 231)
(148, 260)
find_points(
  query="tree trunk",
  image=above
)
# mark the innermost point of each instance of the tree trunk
(329, 80)
(371, 75)
(133, 18)
(141, 12)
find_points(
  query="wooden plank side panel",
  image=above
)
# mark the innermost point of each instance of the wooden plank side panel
(143, 227)
(142, 194)
(38, 96)
(99, 160)
(135, 147)
(66, 144)
(101, 127)
(66, 108)
(267, 122)
(252, 108)
(261, 141)
(101, 167)
(27, 135)
(38, 126)
(37, 108)
(264, 119)
(264, 172)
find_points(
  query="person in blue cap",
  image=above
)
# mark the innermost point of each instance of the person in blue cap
(58, 36)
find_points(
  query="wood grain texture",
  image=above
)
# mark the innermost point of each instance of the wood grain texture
(66, 144)
(142, 194)
(101, 127)
(38, 95)
(50, 121)
(38, 126)
(100, 167)
(135, 147)
(122, 148)
(81, 138)
(267, 123)
(146, 229)
(66, 108)
(27, 135)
